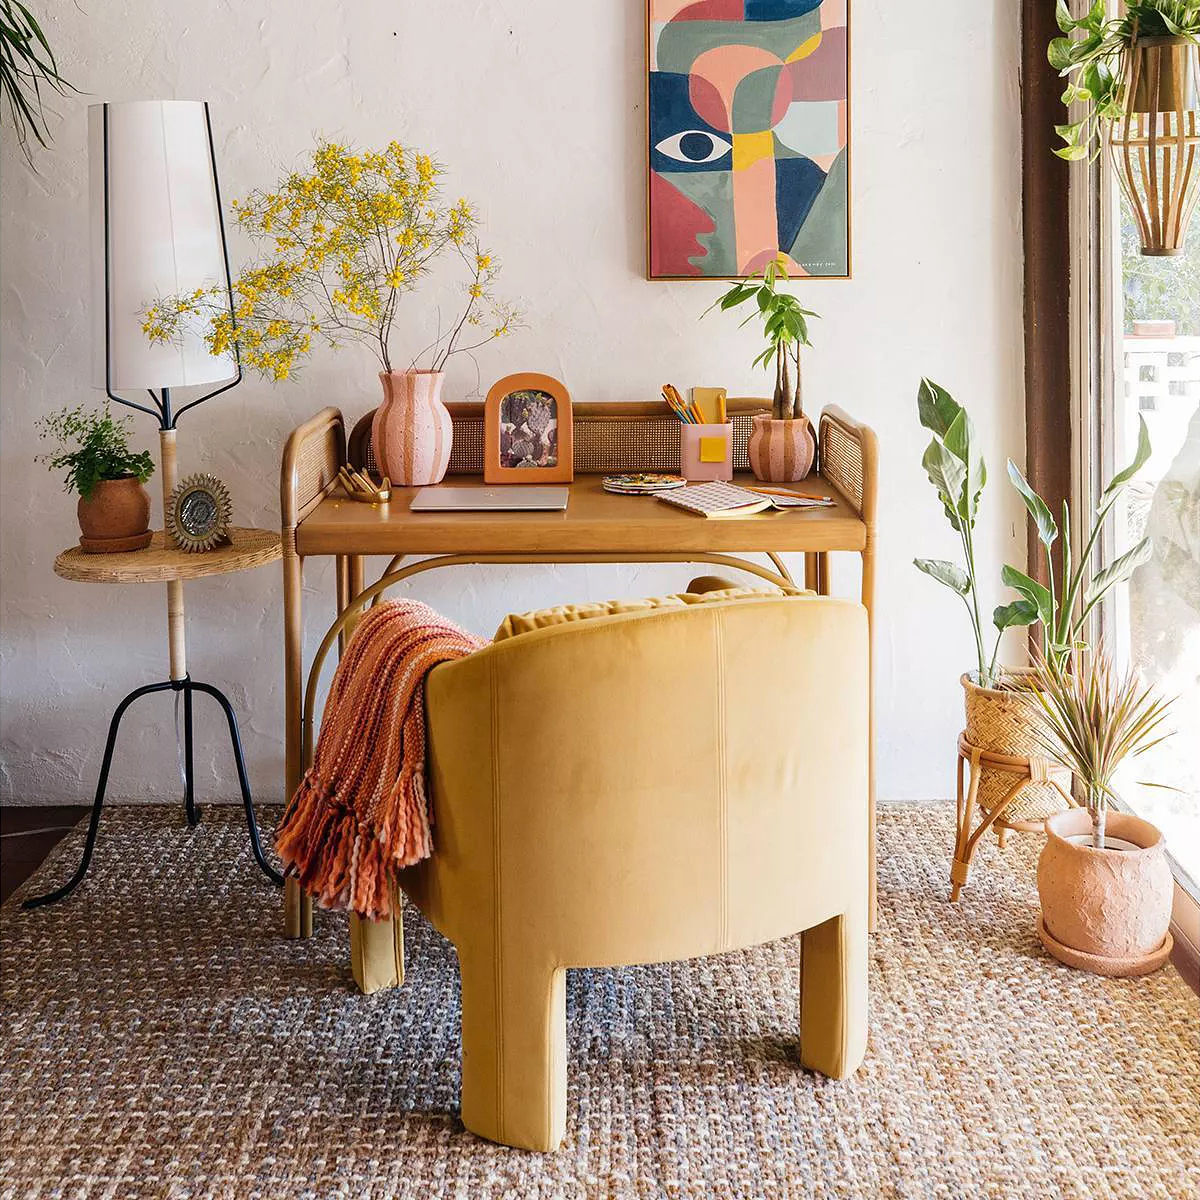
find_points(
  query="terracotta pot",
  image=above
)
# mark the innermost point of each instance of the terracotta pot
(999, 720)
(411, 433)
(1106, 911)
(115, 517)
(781, 451)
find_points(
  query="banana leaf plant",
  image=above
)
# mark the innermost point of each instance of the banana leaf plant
(1063, 607)
(959, 474)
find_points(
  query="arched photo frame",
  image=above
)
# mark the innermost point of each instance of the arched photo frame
(527, 431)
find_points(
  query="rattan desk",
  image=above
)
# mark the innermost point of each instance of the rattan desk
(596, 527)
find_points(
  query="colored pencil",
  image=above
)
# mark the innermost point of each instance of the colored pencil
(766, 491)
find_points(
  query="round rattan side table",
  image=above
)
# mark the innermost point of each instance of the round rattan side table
(162, 562)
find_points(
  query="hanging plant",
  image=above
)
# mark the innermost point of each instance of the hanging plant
(1138, 79)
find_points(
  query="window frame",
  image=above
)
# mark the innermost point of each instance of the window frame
(1097, 336)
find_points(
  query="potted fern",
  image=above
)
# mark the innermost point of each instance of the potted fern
(1103, 878)
(93, 450)
(782, 446)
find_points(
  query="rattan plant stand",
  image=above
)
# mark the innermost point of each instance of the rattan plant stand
(162, 562)
(1024, 772)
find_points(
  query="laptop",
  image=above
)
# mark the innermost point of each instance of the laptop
(510, 498)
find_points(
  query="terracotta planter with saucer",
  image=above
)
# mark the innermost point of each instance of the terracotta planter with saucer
(1107, 911)
(115, 517)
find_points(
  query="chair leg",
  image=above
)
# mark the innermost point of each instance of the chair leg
(377, 952)
(514, 1072)
(833, 995)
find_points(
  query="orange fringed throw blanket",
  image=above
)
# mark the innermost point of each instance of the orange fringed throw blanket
(360, 812)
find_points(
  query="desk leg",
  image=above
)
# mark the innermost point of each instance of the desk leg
(816, 571)
(868, 600)
(297, 907)
(355, 578)
(376, 947)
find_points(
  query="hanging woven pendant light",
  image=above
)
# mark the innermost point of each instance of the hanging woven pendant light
(1156, 141)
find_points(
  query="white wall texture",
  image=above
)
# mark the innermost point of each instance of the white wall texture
(537, 108)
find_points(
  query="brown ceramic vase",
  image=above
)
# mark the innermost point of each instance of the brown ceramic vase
(1106, 911)
(115, 517)
(781, 451)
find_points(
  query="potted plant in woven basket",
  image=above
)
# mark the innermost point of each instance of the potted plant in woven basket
(998, 720)
(346, 240)
(782, 446)
(93, 449)
(1137, 78)
(1103, 878)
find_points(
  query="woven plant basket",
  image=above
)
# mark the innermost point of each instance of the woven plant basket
(998, 720)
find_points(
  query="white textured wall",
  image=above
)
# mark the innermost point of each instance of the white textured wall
(537, 108)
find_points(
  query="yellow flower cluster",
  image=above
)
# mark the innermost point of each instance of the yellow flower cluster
(342, 239)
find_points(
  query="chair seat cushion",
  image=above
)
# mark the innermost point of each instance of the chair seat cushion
(516, 624)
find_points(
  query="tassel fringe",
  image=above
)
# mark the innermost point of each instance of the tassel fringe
(361, 813)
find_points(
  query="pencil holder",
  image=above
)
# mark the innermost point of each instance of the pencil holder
(706, 452)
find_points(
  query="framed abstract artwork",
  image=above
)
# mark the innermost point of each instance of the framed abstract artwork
(748, 122)
(528, 434)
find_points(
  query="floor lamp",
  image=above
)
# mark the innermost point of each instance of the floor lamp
(157, 231)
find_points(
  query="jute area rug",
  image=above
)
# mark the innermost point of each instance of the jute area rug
(161, 1038)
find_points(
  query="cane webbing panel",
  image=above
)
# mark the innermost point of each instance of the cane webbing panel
(316, 467)
(601, 445)
(842, 462)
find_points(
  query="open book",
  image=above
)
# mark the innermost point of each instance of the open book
(717, 500)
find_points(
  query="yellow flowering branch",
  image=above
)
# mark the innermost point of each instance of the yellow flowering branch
(342, 242)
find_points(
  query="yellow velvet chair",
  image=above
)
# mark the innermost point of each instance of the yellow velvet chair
(641, 787)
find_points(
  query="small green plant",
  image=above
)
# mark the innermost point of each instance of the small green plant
(92, 446)
(1063, 608)
(960, 475)
(1090, 720)
(785, 326)
(1093, 60)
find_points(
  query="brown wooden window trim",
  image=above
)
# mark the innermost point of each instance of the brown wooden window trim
(1045, 220)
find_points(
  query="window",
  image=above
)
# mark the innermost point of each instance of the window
(1154, 622)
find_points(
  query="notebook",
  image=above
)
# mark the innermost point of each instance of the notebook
(717, 500)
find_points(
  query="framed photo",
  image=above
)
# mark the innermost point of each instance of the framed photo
(527, 431)
(748, 137)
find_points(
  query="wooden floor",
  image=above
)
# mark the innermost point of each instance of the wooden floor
(27, 835)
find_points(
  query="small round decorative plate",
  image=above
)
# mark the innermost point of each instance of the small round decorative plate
(642, 483)
(199, 513)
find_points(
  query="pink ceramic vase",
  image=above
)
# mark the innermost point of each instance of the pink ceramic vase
(781, 451)
(412, 433)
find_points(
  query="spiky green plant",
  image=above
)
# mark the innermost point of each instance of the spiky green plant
(1092, 719)
(27, 66)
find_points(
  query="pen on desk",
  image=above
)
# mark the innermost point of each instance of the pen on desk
(766, 491)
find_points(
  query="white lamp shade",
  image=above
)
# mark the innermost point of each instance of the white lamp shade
(164, 239)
